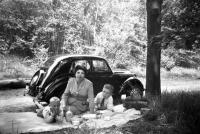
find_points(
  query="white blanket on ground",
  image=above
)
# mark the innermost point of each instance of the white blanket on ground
(29, 122)
(109, 119)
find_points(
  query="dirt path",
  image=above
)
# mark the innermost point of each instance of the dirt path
(14, 101)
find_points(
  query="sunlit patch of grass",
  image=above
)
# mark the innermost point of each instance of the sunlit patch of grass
(174, 73)
(179, 72)
(14, 67)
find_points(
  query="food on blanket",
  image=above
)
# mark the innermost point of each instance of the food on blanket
(119, 108)
(75, 118)
(75, 122)
(103, 111)
(69, 115)
(123, 97)
(89, 116)
(107, 118)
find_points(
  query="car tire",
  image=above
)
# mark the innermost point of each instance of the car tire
(129, 87)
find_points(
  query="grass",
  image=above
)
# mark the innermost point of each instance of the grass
(180, 72)
(15, 67)
(174, 73)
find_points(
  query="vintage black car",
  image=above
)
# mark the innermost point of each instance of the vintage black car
(51, 79)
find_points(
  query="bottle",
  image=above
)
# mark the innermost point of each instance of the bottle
(69, 115)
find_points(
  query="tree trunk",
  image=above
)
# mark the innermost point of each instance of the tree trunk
(153, 88)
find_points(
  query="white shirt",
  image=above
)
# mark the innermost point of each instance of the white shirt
(108, 103)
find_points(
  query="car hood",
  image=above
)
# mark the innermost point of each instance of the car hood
(123, 72)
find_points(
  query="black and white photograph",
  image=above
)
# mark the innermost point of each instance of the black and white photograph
(99, 66)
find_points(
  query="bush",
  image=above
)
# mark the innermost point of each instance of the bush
(14, 67)
(180, 109)
(188, 118)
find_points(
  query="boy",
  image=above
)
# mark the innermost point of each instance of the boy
(104, 100)
(50, 112)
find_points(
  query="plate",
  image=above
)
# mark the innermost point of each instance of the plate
(89, 116)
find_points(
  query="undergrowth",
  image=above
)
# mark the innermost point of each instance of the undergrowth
(15, 67)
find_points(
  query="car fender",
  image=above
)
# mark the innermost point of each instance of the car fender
(33, 84)
(133, 80)
(56, 88)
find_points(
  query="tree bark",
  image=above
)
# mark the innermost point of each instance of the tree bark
(153, 86)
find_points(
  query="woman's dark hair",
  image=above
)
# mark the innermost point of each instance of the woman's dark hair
(78, 67)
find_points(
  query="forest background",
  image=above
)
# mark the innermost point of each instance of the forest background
(32, 31)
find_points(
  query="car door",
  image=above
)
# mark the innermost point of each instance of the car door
(100, 74)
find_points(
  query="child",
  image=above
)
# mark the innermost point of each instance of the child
(50, 112)
(104, 100)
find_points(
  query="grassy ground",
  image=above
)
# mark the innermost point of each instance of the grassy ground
(174, 73)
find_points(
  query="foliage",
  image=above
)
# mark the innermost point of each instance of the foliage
(180, 58)
(181, 22)
(16, 26)
(115, 29)
(122, 34)
(14, 67)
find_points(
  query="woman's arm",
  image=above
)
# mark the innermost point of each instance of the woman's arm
(91, 98)
(65, 95)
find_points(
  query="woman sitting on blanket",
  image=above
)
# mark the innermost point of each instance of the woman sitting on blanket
(78, 95)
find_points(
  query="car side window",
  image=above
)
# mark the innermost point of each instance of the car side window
(100, 66)
(84, 63)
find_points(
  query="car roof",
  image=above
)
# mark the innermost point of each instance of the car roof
(61, 57)
(58, 58)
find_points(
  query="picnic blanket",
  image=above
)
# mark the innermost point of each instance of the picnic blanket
(29, 122)
(109, 119)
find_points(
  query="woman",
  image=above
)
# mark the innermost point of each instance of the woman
(78, 95)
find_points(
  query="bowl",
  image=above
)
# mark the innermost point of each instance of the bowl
(75, 122)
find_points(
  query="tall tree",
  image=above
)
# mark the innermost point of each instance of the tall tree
(153, 88)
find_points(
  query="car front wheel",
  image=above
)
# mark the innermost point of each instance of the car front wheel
(132, 89)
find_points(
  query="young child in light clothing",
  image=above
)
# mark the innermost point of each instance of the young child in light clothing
(50, 112)
(104, 99)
